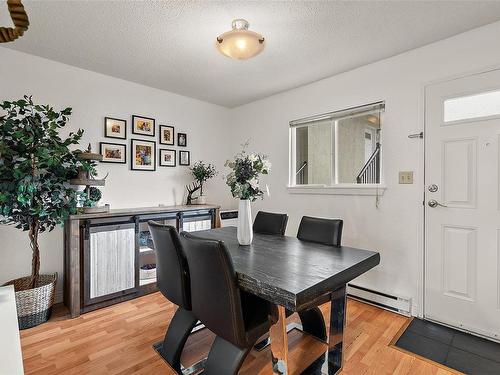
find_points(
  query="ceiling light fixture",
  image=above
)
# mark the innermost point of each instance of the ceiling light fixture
(240, 43)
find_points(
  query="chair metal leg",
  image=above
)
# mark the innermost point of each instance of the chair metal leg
(198, 327)
(175, 338)
(195, 368)
(225, 358)
(261, 345)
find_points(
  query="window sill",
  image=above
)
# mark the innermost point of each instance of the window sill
(344, 189)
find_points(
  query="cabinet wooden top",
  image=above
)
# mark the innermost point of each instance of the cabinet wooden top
(144, 211)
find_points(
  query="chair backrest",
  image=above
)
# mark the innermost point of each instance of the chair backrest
(172, 272)
(319, 230)
(215, 295)
(270, 223)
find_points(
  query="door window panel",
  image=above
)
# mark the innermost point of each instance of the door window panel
(470, 107)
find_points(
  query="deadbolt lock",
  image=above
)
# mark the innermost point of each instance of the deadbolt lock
(433, 188)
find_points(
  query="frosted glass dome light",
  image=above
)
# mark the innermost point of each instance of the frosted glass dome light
(240, 43)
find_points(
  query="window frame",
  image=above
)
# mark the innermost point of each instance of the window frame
(334, 187)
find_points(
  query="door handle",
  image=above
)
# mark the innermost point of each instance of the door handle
(434, 203)
(416, 135)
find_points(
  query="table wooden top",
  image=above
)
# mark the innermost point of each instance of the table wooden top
(291, 272)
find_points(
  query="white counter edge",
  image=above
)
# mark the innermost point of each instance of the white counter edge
(11, 358)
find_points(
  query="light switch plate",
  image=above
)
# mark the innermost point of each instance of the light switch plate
(406, 177)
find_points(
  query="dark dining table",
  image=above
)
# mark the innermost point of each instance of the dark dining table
(297, 275)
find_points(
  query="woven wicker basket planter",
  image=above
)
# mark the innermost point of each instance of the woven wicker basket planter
(34, 306)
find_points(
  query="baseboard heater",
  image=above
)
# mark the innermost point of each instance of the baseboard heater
(398, 304)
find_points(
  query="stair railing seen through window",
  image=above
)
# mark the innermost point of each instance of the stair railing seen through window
(337, 148)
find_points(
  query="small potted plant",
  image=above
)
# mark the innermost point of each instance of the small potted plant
(245, 185)
(92, 196)
(202, 173)
(35, 166)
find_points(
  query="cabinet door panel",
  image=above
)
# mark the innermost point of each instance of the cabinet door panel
(112, 260)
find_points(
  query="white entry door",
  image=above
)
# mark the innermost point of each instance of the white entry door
(462, 203)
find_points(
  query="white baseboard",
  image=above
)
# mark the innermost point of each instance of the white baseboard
(397, 304)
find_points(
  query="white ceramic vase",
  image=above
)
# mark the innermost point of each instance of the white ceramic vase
(201, 200)
(245, 232)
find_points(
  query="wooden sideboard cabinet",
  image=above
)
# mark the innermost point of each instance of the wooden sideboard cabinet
(109, 257)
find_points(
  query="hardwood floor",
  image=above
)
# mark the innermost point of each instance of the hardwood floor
(118, 339)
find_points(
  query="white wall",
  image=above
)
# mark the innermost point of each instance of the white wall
(396, 227)
(93, 96)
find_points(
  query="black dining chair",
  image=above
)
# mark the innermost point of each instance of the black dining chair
(319, 230)
(270, 223)
(237, 318)
(326, 232)
(173, 280)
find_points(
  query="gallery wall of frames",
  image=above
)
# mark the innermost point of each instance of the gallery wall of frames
(147, 148)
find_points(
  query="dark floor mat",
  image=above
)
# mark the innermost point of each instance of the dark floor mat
(452, 348)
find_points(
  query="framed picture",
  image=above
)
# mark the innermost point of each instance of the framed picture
(167, 135)
(113, 152)
(184, 158)
(115, 128)
(182, 139)
(143, 155)
(143, 125)
(167, 158)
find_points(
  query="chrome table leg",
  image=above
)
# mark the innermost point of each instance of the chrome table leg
(336, 334)
(279, 343)
(331, 362)
(261, 345)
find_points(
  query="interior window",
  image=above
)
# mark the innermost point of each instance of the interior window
(314, 167)
(341, 147)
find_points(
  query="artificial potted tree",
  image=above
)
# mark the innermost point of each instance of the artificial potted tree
(35, 166)
(202, 173)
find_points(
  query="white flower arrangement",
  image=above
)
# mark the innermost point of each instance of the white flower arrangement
(244, 177)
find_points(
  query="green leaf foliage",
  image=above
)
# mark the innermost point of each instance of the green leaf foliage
(35, 165)
(92, 195)
(203, 172)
